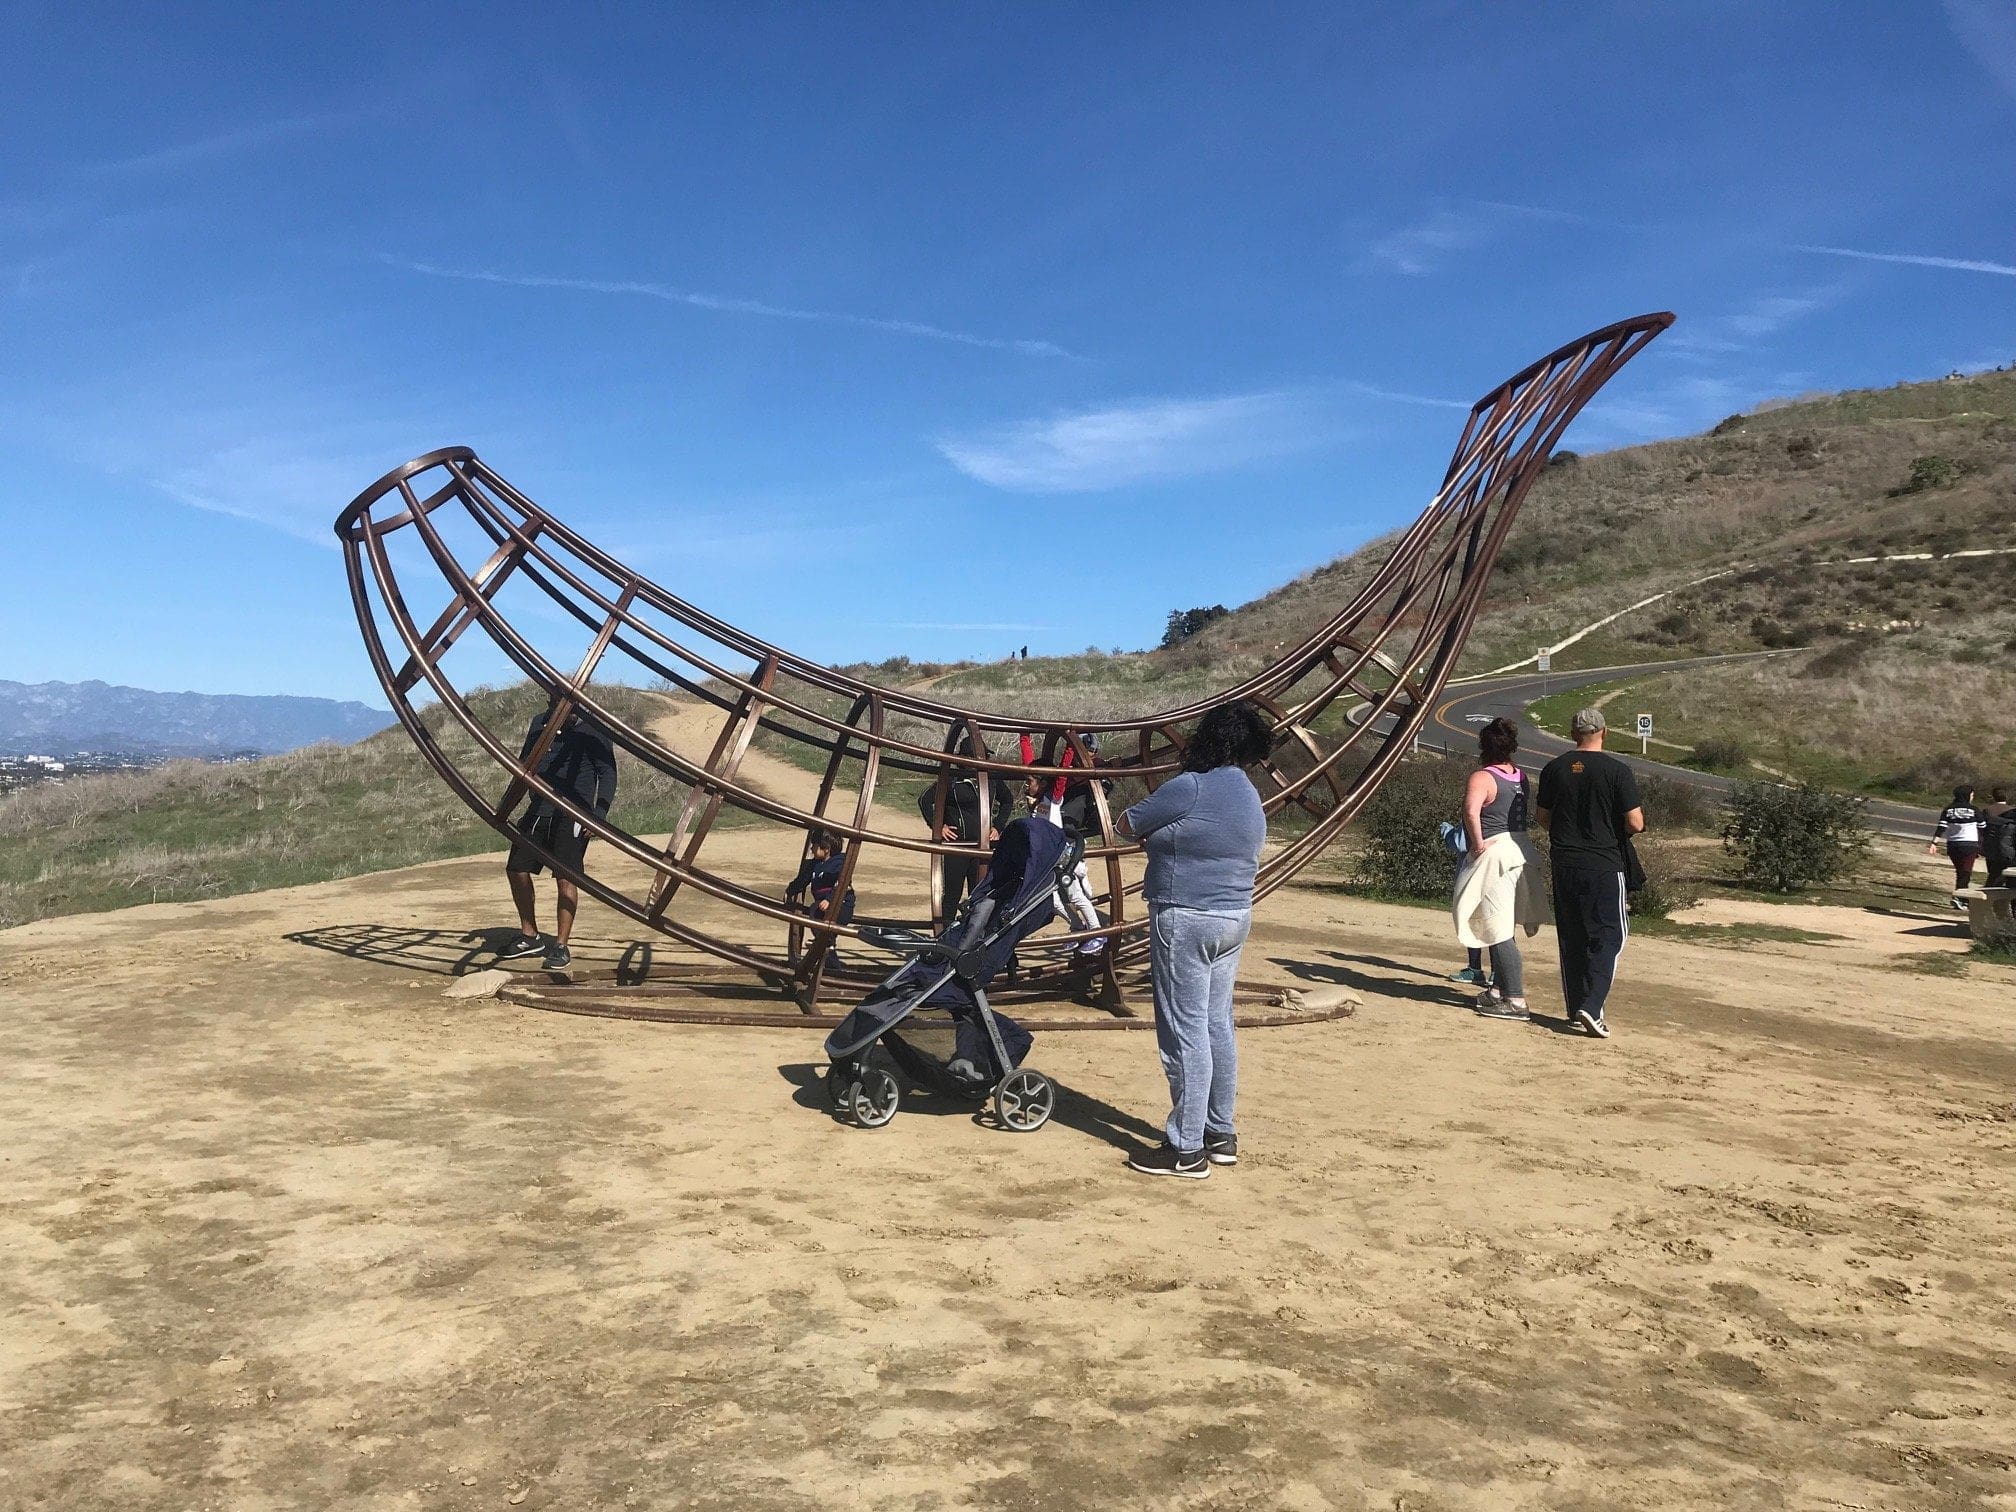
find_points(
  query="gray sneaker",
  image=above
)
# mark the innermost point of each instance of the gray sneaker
(1490, 1004)
(1593, 1023)
(558, 957)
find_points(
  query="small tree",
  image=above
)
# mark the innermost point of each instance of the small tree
(1786, 838)
(1403, 854)
(1668, 888)
(1928, 472)
(1184, 623)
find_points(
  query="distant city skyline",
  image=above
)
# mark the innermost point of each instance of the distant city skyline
(1030, 325)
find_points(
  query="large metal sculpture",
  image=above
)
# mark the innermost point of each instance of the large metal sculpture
(1381, 661)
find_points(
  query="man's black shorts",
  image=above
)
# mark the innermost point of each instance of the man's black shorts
(555, 831)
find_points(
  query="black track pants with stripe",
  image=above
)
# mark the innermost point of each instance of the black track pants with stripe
(1591, 925)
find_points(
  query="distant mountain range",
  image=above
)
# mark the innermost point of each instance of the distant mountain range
(57, 719)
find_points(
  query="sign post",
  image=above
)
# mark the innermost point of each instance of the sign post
(1644, 733)
(1545, 661)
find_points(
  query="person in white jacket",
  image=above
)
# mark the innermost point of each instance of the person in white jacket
(1500, 888)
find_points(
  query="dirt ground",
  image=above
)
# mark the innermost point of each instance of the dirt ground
(284, 1227)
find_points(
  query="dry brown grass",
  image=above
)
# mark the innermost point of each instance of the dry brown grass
(193, 830)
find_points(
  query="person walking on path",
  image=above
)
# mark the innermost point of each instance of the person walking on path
(1998, 836)
(1589, 804)
(1960, 826)
(1203, 830)
(1499, 889)
(580, 764)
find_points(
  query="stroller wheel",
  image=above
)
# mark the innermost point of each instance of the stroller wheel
(876, 1098)
(1024, 1101)
(839, 1089)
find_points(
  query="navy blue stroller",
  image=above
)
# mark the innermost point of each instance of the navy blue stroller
(954, 1045)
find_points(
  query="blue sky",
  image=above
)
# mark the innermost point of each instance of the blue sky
(938, 328)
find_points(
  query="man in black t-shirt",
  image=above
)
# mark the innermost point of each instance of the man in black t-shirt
(580, 762)
(1588, 803)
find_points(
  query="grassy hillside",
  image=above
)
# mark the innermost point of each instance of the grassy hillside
(1854, 717)
(1773, 495)
(1908, 688)
(190, 830)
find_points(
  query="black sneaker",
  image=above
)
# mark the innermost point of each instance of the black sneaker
(1169, 1161)
(1221, 1149)
(558, 957)
(518, 947)
(1593, 1022)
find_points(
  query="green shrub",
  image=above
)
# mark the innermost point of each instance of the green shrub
(1681, 807)
(1936, 772)
(1928, 472)
(1403, 855)
(1667, 887)
(1787, 838)
(1720, 752)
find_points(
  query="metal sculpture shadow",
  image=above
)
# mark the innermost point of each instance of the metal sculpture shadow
(1388, 654)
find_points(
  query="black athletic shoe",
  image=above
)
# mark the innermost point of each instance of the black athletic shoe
(1221, 1149)
(558, 958)
(1168, 1161)
(518, 947)
(1593, 1023)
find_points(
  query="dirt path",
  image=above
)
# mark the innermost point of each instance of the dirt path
(284, 1227)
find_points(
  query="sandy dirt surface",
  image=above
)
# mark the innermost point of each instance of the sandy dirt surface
(286, 1228)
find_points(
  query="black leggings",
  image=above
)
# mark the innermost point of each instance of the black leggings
(1963, 858)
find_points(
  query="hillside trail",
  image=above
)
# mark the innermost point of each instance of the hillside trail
(281, 1214)
(691, 727)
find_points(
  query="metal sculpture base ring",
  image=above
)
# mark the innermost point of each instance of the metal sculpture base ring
(454, 519)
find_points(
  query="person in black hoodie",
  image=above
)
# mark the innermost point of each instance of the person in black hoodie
(961, 824)
(1960, 827)
(580, 763)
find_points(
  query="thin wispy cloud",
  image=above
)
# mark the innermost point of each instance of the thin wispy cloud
(1987, 29)
(1144, 440)
(957, 625)
(1913, 259)
(732, 305)
(1397, 396)
(1741, 329)
(1423, 246)
(227, 143)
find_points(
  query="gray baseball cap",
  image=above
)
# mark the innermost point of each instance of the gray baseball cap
(1587, 722)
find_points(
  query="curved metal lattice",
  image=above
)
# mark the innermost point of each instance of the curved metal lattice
(1386, 657)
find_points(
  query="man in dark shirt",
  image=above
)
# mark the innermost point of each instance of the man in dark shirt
(580, 763)
(1588, 803)
(961, 824)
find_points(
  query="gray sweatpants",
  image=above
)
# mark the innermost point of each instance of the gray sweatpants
(1194, 960)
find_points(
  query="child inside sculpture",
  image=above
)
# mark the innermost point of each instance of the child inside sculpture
(1067, 803)
(818, 880)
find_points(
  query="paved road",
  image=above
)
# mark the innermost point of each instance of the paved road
(1453, 726)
